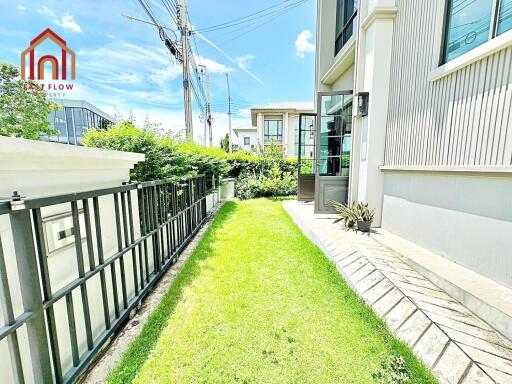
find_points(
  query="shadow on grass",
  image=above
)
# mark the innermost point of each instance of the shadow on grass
(138, 351)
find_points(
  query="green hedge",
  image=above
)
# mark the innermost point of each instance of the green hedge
(169, 159)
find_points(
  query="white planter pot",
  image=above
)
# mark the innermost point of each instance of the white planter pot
(227, 189)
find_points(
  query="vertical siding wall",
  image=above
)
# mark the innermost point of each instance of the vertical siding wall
(462, 119)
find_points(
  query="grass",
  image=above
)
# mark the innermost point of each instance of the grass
(258, 303)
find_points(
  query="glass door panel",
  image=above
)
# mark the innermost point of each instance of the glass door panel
(306, 151)
(333, 149)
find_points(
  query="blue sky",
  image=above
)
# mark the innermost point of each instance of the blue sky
(123, 65)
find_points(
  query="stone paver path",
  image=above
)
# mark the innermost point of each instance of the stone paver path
(454, 343)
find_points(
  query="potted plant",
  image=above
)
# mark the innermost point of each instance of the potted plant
(346, 214)
(357, 213)
(364, 217)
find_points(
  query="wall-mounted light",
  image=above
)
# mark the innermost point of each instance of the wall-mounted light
(362, 103)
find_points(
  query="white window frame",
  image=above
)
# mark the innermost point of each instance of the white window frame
(495, 44)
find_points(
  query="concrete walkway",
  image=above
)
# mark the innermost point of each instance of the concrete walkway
(453, 342)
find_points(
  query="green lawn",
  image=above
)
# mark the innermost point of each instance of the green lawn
(258, 303)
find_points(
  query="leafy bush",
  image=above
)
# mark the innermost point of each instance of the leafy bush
(266, 184)
(163, 159)
(393, 370)
(261, 161)
(205, 160)
(24, 108)
(266, 173)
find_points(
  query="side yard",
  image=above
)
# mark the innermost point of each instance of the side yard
(258, 303)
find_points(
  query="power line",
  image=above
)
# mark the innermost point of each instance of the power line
(255, 25)
(249, 17)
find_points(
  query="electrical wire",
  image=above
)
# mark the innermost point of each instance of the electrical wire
(252, 20)
(243, 17)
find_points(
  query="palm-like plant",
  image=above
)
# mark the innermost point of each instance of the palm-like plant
(346, 213)
(353, 213)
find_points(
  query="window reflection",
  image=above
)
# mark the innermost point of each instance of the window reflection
(346, 12)
(335, 135)
(73, 122)
(505, 18)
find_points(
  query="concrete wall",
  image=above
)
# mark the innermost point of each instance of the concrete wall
(466, 218)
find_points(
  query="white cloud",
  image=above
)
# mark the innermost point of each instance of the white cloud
(124, 74)
(21, 8)
(213, 66)
(68, 22)
(244, 112)
(303, 45)
(168, 73)
(111, 36)
(44, 10)
(245, 60)
(231, 59)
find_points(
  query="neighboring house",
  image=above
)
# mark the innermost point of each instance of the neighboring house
(74, 118)
(430, 136)
(247, 138)
(278, 124)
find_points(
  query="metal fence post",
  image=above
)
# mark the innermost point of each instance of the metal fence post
(31, 294)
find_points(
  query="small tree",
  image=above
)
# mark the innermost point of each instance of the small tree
(24, 108)
(224, 143)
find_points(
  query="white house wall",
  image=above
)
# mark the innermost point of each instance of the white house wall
(253, 135)
(326, 29)
(465, 218)
(345, 82)
(463, 118)
(448, 151)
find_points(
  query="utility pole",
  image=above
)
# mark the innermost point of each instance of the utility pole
(187, 102)
(229, 115)
(208, 108)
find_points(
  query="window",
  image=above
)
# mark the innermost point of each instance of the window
(472, 23)
(273, 131)
(346, 11)
(307, 137)
(247, 141)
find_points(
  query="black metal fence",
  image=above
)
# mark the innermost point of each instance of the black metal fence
(65, 325)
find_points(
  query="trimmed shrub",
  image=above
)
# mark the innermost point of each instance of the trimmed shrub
(266, 184)
(266, 173)
(165, 159)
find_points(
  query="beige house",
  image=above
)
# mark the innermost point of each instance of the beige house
(278, 123)
(414, 116)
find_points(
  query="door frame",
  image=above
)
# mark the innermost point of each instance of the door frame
(308, 178)
(318, 121)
